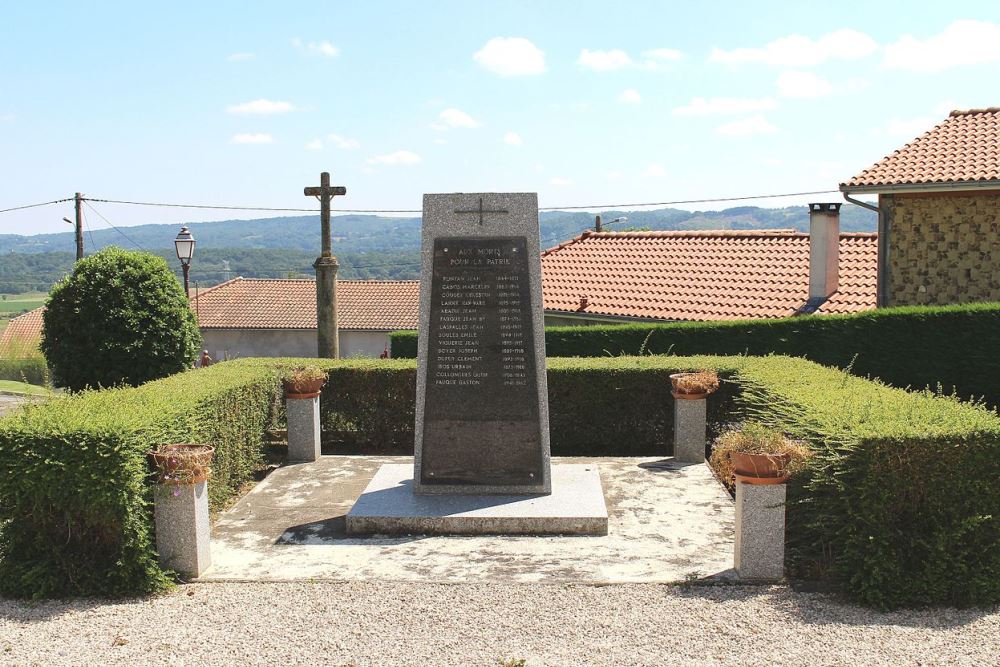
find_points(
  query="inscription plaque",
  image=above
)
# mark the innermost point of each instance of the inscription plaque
(482, 412)
(481, 405)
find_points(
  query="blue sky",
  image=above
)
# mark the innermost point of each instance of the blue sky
(583, 102)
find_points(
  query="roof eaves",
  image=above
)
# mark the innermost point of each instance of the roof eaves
(951, 186)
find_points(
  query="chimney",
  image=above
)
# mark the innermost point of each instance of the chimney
(824, 250)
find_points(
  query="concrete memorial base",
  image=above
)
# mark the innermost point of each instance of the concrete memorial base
(760, 531)
(182, 528)
(390, 507)
(303, 429)
(689, 430)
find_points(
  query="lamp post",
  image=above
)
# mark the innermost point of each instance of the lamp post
(184, 245)
(598, 227)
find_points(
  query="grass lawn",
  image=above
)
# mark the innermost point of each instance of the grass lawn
(15, 304)
(23, 388)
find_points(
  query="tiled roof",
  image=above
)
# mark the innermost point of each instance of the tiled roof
(701, 275)
(378, 305)
(964, 148)
(26, 327)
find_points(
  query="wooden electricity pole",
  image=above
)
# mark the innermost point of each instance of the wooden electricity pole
(328, 336)
(78, 200)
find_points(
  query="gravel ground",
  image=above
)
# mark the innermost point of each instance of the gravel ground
(488, 624)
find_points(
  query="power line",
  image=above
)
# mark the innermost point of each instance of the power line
(90, 232)
(575, 207)
(87, 201)
(44, 203)
(416, 210)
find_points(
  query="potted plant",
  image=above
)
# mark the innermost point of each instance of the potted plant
(756, 454)
(303, 382)
(693, 386)
(183, 463)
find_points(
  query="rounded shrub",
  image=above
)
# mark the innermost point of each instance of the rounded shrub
(121, 317)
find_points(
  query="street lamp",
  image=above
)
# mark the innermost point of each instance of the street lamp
(184, 245)
(598, 227)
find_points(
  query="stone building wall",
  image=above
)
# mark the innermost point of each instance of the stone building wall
(943, 248)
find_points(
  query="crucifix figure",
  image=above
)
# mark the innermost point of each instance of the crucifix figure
(326, 272)
(481, 210)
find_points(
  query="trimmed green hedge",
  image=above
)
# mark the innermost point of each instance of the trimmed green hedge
(898, 507)
(31, 370)
(953, 346)
(75, 493)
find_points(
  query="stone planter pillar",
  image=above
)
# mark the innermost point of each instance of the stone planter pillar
(180, 512)
(760, 531)
(302, 412)
(689, 429)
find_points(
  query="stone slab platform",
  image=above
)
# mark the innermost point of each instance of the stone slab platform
(667, 522)
(389, 506)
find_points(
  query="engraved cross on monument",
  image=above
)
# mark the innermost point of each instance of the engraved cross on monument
(328, 338)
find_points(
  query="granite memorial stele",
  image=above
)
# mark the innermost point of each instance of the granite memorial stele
(482, 462)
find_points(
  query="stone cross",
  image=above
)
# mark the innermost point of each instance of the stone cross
(326, 265)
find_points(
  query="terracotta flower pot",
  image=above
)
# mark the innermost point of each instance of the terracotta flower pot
(183, 463)
(760, 468)
(677, 388)
(303, 388)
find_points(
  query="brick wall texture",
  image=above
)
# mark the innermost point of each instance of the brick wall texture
(943, 249)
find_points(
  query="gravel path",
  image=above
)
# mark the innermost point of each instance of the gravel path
(384, 624)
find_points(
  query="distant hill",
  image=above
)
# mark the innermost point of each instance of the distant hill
(367, 246)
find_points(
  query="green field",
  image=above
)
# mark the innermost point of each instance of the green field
(12, 305)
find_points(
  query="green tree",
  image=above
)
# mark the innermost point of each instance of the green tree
(121, 317)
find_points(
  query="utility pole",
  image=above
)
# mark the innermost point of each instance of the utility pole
(78, 200)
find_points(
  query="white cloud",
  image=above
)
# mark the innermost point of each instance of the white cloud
(660, 58)
(7, 117)
(261, 107)
(630, 96)
(800, 51)
(239, 57)
(258, 138)
(614, 176)
(315, 145)
(396, 158)
(654, 170)
(316, 48)
(603, 61)
(343, 142)
(457, 118)
(612, 59)
(746, 127)
(561, 182)
(961, 43)
(803, 84)
(699, 106)
(512, 139)
(511, 56)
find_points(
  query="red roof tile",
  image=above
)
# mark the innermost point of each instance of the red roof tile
(964, 148)
(25, 329)
(701, 275)
(379, 305)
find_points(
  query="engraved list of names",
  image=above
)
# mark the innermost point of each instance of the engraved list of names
(481, 413)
